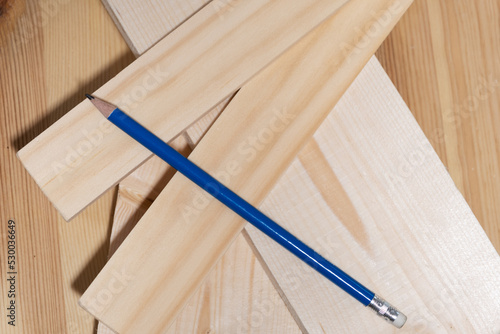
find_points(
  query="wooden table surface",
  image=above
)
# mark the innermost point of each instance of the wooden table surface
(443, 57)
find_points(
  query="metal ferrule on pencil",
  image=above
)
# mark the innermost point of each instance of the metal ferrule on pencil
(388, 312)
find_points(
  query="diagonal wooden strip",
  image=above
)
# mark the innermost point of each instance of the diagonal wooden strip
(326, 243)
(195, 132)
(144, 23)
(223, 302)
(456, 101)
(80, 157)
(371, 195)
(138, 190)
(301, 87)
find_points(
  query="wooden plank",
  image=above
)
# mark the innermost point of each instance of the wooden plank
(237, 297)
(406, 233)
(39, 81)
(138, 190)
(80, 157)
(223, 303)
(144, 24)
(135, 194)
(197, 231)
(24, 84)
(456, 101)
(196, 132)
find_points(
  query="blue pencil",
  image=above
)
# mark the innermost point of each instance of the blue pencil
(248, 212)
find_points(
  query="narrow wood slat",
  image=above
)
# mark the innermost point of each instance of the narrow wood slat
(223, 303)
(406, 233)
(194, 238)
(81, 156)
(144, 23)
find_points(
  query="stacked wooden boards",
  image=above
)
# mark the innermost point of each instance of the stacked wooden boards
(443, 58)
(80, 156)
(39, 82)
(445, 297)
(223, 302)
(262, 166)
(36, 90)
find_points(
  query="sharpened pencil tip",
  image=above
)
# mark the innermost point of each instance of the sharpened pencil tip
(104, 107)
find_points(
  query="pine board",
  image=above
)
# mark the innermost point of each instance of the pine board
(142, 27)
(236, 297)
(406, 56)
(410, 237)
(81, 156)
(39, 81)
(177, 189)
(223, 302)
(443, 58)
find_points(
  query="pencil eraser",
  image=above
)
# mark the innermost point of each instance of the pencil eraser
(400, 320)
(388, 312)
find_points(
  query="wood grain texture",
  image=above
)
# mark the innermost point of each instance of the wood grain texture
(81, 156)
(313, 163)
(224, 303)
(135, 194)
(237, 297)
(24, 84)
(138, 190)
(143, 27)
(196, 131)
(10, 10)
(197, 229)
(409, 237)
(39, 81)
(443, 58)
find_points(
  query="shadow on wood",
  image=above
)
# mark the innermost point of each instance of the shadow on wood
(72, 100)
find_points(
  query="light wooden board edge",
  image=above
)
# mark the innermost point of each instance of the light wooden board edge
(137, 191)
(196, 132)
(409, 237)
(55, 261)
(223, 303)
(456, 101)
(154, 212)
(141, 27)
(81, 155)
